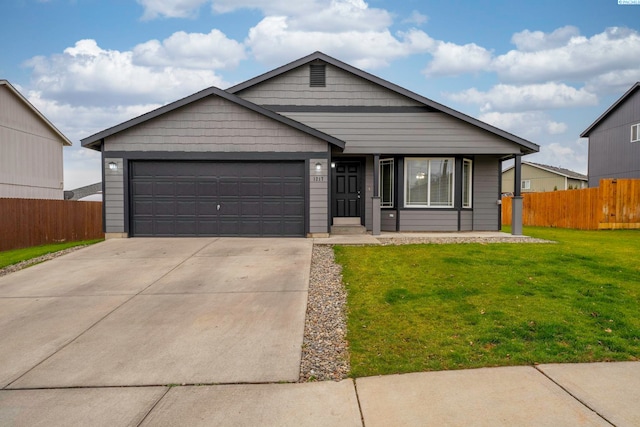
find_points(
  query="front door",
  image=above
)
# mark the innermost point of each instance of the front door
(347, 189)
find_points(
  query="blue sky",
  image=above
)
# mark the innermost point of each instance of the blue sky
(543, 70)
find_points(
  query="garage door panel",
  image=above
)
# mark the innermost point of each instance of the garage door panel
(228, 188)
(229, 208)
(142, 188)
(207, 188)
(292, 208)
(251, 208)
(250, 189)
(207, 208)
(184, 198)
(163, 227)
(186, 189)
(293, 189)
(163, 188)
(143, 207)
(272, 189)
(207, 227)
(186, 208)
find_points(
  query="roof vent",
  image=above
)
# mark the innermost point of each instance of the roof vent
(317, 75)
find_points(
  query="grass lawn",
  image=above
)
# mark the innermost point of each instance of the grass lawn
(436, 307)
(18, 255)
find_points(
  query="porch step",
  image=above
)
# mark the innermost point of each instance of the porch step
(348, 229)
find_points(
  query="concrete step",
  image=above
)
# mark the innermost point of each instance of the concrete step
(348, 229)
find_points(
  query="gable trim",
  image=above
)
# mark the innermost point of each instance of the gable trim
(623, 98)
(528, 147)
(94, 141)
(65, 140)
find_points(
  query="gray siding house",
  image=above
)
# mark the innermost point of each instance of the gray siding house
(30, 149)
(614, 140)
(537, 177)
(304, 148)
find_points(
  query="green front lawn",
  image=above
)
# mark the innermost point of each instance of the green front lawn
(434, 307)
(18, 255)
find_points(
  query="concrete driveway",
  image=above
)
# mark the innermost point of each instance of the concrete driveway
(136, 312)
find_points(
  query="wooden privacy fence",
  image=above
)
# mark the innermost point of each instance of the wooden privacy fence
(29, 222)
(613, 205)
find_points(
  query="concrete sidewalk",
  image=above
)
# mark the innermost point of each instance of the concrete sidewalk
(599, 394)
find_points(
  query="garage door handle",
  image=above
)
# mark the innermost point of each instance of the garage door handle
(218, 207)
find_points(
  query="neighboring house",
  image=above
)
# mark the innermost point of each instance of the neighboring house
(292, 152)
(91, 192)
(614, 140)
(537, 178)
(30, 149)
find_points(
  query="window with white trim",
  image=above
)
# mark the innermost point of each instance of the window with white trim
(386, 183)
(429, 182)
(526, 184)
(467, 171)
(635, 133)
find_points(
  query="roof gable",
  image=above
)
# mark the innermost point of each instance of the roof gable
(94, 141)
(611, 109)
(34, 111)
(527, 147)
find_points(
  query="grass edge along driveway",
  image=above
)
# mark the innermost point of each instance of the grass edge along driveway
(15, 256)
(455, 306)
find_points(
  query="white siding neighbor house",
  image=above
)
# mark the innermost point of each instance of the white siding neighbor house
(303, 150)
(30, 149)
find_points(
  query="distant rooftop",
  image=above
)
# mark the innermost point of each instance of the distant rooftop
(560, 171)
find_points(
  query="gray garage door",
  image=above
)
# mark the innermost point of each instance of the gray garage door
(217, 199)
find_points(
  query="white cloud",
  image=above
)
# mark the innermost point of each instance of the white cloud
(571, 155)
(190, 50)
(416, 18)
(170, 8)
(529, 124)
(86, 74)
(273, 42)
(531, 41)
(512, 98)
(453, 59)
(578, 59)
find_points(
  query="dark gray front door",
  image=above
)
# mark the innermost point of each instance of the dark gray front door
(347, 189)
(178, 198)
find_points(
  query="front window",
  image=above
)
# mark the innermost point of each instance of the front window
(466, 183)
(429, 182)
(526, 184)
(635, 133)
(386, 183)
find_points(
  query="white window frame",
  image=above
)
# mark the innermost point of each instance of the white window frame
(635, 129)
(428, 205)
(468, 180)
(525, 184)
(383, 203)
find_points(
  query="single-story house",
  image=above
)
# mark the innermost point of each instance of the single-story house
(313, 144)
(537, 177)
(31, 164)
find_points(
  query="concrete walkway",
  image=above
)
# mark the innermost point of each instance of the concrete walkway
(201, 332)
(600, 394)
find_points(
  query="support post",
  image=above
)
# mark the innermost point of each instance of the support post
(375, 200)
(516, 201)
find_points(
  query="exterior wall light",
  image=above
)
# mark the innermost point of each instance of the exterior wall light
(113, 166)
(318, 166)
(333, 165)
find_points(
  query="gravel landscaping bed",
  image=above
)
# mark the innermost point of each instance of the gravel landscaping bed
(325, 351)
(447, 240)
